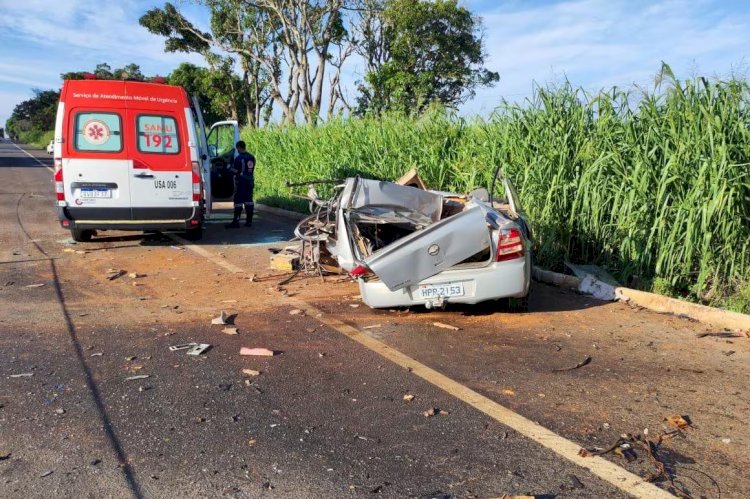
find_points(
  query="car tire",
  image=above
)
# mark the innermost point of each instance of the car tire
(194, 234)
(81, 235)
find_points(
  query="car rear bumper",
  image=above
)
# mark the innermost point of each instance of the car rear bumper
(498, 280)
(130, 218)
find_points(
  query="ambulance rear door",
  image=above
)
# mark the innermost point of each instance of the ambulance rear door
(95, 165)
(161, 176)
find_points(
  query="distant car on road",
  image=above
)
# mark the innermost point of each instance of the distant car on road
(51, 146)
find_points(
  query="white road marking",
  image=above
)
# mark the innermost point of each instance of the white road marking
(610, 472)
(27, 153)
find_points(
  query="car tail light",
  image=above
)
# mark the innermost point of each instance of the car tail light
(359, 271)
(59, 186)
(510, 245)
(196, 181)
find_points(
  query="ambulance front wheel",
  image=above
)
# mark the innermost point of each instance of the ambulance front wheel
(81, 235)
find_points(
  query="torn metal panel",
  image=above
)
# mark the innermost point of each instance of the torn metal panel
(374, 192)
(431, 250)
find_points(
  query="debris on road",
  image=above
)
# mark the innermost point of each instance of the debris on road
(600, 290)
(222, 320)
(285, 260)
(251, 372)
(34, 285)
(139, 376)
(509, 392)
(409, 397)
(230, 330)
(679, 422)
(433, 412)
(258, 352)
(136, 275)
(192, 348)
(60, 411)
(22, 375)
(46, 474)
(296, 311)
(446, 326)
(722, 334)
(584, 362)
(199, 348)
(4, 455)
(374, 326)
(113, 274)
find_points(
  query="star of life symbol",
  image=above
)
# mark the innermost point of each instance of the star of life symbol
(95, 132)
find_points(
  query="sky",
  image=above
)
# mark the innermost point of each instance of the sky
(592, 43)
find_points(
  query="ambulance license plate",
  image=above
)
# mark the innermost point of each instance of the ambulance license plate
(446, 290)
(96, 193)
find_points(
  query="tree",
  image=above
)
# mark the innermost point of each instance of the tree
(423, 52)
(218, 93)
(104, 71)
(37, 113)
(182, 36)
(289, 43)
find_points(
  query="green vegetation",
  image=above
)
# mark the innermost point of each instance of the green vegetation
(653, 185)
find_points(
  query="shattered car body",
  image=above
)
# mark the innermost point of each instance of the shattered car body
(408, 246)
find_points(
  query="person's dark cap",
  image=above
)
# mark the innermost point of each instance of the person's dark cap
(241, 144)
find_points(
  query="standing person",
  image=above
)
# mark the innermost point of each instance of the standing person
(244, 182)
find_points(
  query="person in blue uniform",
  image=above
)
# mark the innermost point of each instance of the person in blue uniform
(243, 169)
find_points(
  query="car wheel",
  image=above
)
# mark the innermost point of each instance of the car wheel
(81, 235)
(194, 234)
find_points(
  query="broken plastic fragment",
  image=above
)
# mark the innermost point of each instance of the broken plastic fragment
(221, 319)
(261, 352)
(446, 326)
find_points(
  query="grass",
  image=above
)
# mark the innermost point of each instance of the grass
(37, 138)
(653, 185)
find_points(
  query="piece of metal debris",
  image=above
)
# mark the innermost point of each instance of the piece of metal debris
(34, 285)
(113, 274)
(22, 375)
(446, 326)
(251, 372)
(198, 348)
(230, 330)
(140, 376)
(261, 352)
(46, 473)
(222, 319)
(584, 362)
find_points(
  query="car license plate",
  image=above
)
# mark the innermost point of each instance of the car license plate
(446, 290)
(96, 193)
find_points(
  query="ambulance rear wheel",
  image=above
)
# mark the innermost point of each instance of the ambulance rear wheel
(81, 235)
(194, 234)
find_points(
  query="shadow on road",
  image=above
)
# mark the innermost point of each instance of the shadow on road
(109, 430)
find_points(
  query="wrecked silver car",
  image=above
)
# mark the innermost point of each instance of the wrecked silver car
(408, 246)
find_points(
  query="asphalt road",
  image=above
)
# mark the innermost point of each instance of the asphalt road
(326, 417)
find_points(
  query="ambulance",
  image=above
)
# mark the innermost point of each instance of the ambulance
(136, 156)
